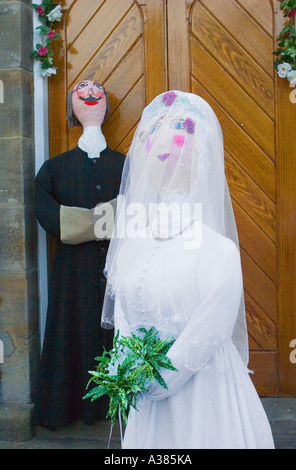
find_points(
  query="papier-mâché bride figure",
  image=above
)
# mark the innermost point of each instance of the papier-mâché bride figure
(182, 275)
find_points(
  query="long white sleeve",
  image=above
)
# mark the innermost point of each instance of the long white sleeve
(210, 326)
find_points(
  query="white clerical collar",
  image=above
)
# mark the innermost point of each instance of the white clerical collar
(92, 141)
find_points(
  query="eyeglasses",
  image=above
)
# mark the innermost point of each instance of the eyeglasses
(84, 89)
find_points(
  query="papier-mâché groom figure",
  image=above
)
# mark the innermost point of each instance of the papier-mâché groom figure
(67, 189)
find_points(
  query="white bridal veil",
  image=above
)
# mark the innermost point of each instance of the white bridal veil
(176, 156)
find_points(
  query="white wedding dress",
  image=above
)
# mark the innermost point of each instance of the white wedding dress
(192, 295)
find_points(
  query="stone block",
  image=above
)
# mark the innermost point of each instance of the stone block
(16, 35)
(18, 371)
(19, 317)
(16, 111)
(16, 422)
(18, 235)
(17, 170)
(25, 2)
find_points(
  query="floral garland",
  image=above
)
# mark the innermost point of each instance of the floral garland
(285, 62)
(48, 13)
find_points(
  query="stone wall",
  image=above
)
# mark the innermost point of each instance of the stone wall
(19, 330)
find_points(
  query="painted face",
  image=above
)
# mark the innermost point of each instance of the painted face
(89, 103)
(169, 150)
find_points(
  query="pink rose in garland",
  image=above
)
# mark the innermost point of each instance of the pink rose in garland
(291, 14)
(51, 34)
(42, 51)
(40, 10)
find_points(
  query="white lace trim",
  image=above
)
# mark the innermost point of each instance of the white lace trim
(92, 142)
(179, 222)
(178, 195)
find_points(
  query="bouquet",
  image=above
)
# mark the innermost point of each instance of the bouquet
(127, 371)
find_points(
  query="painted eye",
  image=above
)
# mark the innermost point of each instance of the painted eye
(82, 85)
(155, 128)
(177, 124)
(98, 86)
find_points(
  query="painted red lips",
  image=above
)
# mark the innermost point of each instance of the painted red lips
(91, 103)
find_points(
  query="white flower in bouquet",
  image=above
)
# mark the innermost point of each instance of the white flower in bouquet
(48, 72)
(55, 14)
(291, 76)
(284, 69)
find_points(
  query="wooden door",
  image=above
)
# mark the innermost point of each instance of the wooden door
(222, 51)
(237, 79)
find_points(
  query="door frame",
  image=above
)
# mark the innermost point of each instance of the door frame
(286, 210)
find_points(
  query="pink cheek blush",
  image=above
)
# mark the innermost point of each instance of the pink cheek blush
(179, 140)
(148, 146)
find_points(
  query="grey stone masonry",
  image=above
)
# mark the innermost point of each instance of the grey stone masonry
(19, 329)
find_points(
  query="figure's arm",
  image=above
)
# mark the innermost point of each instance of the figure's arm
(47, 209)
(72, 225)
(210, 326)
(80, 225)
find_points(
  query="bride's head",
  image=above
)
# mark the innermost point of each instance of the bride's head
(171, 149)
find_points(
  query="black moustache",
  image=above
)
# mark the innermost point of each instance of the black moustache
(91, 98)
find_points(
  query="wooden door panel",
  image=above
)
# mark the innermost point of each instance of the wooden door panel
(254, 241)
(263, 289)
(131, 108)
(206, 70)
(252, 199)
(237, 62)
(81, 14)
(84, 50)
(265, 368)
(252, 159)
(112, 51)
(237, 18)
(261, 328)
(237, 79)
(260, 11)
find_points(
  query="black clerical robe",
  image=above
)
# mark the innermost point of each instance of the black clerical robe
(73, 335)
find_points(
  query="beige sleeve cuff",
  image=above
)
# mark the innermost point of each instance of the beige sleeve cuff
(76, 225)
(80, 225)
